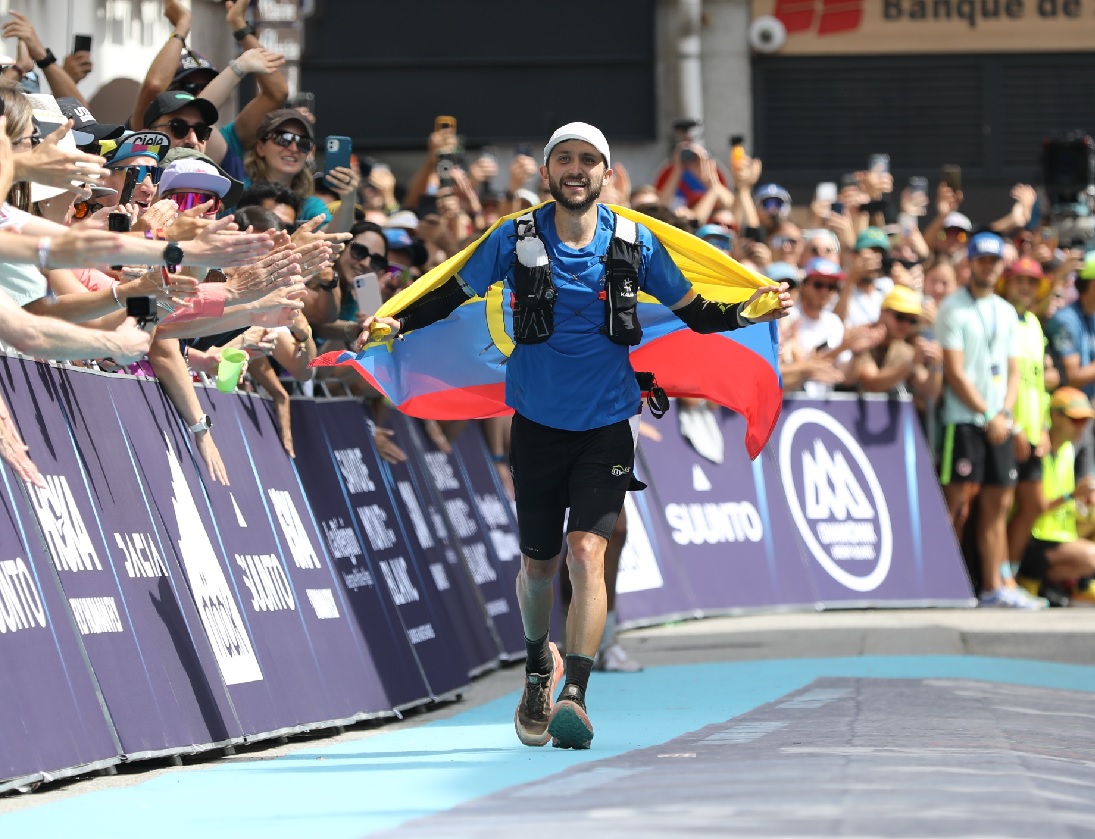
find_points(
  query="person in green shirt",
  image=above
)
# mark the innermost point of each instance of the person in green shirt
(1061, 550)
(1023, 284)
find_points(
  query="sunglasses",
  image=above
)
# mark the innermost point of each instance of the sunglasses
(179, 128)
(1026, 278)
(901, 317)
(140, 173)
(819, 284)
(187, 200)
(957, 232)
(83, 209)
(361, 253)
(287, 138)
(771, 204)
(780, 241)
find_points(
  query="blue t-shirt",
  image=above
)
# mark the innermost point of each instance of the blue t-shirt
(1072, 332)
(578, 379)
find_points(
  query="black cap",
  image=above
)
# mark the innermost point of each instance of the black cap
(85, 123)
(175, 100)
(192, 62)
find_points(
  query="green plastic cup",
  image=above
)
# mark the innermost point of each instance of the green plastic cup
(228, 371)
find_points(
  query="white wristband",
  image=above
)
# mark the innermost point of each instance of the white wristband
(44, 246)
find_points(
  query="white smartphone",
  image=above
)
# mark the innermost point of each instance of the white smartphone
(367, 293)
(825, 192)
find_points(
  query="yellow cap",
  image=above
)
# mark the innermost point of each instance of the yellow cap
(1071, 402)
(903, 299)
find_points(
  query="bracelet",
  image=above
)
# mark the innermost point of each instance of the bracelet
(46, 60)
(44, 246)
(240, 73)
(498, 458)
(177, 35)
(243, 32)
(114, 294)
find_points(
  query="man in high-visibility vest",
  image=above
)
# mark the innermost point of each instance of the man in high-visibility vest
(1061, 550)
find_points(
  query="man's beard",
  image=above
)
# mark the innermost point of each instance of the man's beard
(593, 193)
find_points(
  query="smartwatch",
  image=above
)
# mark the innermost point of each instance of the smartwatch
(46, 60)
(172, 256)
(204, 423)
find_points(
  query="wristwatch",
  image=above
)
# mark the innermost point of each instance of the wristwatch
(46, 60)
(243, 32)
(204, 423)
(173, 256)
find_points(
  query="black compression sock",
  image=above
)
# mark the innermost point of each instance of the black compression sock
(539, 658)
(578, 668)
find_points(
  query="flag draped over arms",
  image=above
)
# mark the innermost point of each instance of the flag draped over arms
(456, 368)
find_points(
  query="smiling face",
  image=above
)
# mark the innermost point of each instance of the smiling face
(575, 173)
(143, 192)
(352, 261)
(283, 162)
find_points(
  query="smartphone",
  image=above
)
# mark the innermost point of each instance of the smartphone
(848, 179)
(878, 163)
(825, 192)
(128, 185)
(837, 207)
(446, 162)
(737, 148)
(753, 234)
(918, 183)
(367, 293)
(688, 156)
(952, 176)
(81, 43)
(524, 149)
(442, 123)
(337, 153)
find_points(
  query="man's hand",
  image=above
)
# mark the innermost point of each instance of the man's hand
(203, 442)
(178, 16)
(159, 215)
(946, 199)
(235, 14)
(20, 27)
(51, 165)
(260, 61)
(13, 451)
(386, 447)
(783, 296)
(385, 328)
(307, 233)
(996, 430)
(78, 65)
(130, 342)
(521, 169)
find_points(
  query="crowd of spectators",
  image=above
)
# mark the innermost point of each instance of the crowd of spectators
(237, 234)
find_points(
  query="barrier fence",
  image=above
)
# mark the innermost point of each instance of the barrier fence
(145, 611)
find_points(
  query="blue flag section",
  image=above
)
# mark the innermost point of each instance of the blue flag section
(150, 610)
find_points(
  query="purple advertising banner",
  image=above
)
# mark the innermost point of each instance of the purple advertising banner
(53, 716)
(140, 703)
(434, 547)
(497, 532)
(159, 443)
(155, 595)
(412, 590)
(866, 508)
(716, 520)
(369, 602)
(290, 595)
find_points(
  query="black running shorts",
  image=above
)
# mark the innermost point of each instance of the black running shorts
(587, 471)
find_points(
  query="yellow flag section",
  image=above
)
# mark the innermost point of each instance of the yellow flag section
(713, 274)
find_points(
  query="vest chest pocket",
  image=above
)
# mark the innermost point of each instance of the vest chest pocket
(533, 304)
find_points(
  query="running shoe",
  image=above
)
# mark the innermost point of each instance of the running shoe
(614, 659)
(570, 728)
(1008, 598)
(534, 711)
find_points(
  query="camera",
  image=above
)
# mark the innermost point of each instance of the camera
(141, 309)
(118, 222)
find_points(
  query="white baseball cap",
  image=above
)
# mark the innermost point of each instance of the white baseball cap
(188, 173)
(579, 131)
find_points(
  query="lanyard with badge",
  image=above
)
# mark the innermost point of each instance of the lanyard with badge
(990, 337)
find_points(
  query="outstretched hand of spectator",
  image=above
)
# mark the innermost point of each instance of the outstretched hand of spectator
(130, 342)
(13, 451)
(521, 169)
(1025, 197)
(307, 233)
(178, 15)
(158, 216)
(386, 446)
(212, 457)
(49, 164)
(221, 245)
(235, 14)
(20, 27)
(947, 200)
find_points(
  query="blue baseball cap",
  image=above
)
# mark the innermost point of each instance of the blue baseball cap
(985, 244)
(783, 272)
(773, 198)
(724, 235)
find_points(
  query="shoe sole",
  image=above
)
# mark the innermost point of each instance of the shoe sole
(556, 677)
(570, 728)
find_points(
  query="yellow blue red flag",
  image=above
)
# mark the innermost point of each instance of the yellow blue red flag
(456, 368)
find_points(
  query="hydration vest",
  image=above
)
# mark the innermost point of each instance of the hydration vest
(534, 292)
